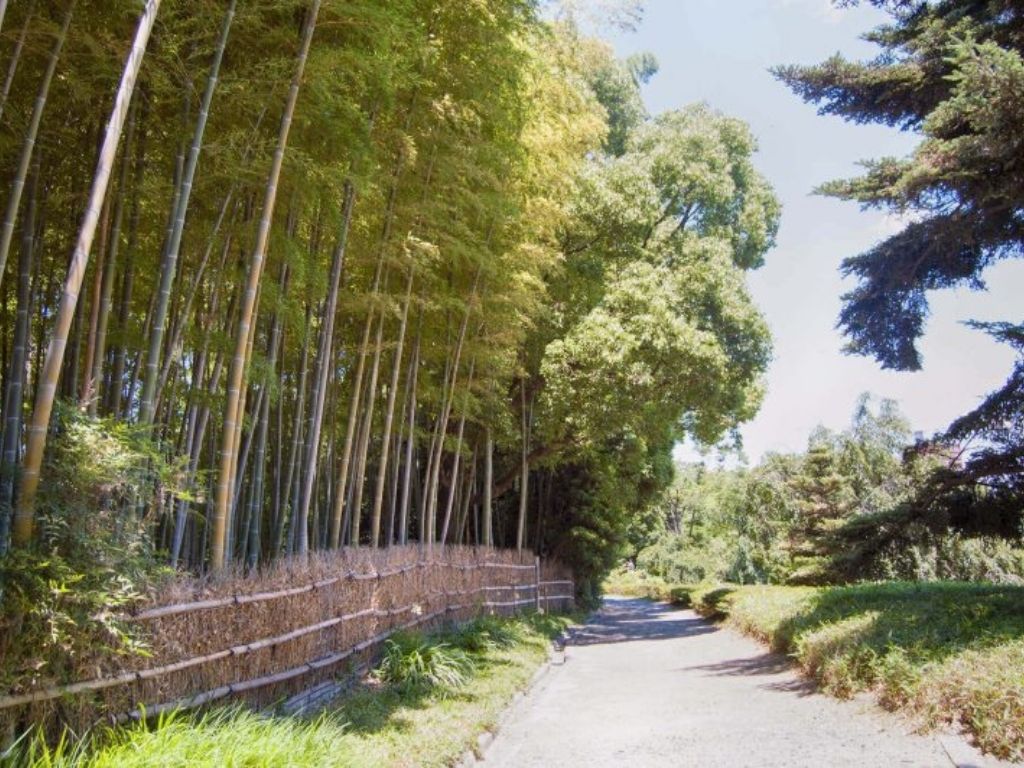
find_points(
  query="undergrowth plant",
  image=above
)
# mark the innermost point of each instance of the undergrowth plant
(61, 599)
(416, 662)
(487, 633)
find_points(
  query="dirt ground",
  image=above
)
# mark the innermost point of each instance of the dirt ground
(644, 684)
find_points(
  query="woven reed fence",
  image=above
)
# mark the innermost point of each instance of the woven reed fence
(262, 638)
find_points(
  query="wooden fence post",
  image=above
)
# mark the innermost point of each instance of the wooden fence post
(536, 592)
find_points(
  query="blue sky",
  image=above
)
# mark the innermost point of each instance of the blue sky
(719, 52)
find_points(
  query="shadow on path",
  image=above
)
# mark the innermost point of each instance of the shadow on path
(625, 620)
(761, 664)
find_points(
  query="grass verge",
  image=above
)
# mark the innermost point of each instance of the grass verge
(637, 583)
(947, 653)
(416, 712)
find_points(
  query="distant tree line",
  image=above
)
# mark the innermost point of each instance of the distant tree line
(834, 513)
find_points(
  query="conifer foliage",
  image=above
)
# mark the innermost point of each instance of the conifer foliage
(953, 70)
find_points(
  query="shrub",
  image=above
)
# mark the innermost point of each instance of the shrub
(91, 555)
(681, 595)
(636, 583)
(711, 600)
(414, 662)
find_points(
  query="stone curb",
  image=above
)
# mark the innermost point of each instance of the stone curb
(556, 658)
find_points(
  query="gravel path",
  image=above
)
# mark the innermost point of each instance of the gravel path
(648, 685)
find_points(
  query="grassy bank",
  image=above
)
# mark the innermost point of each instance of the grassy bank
(943, 652)
(431, 698)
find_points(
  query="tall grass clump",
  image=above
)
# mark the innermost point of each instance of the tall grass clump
(415, 662)
(487, 633)
(225, 737)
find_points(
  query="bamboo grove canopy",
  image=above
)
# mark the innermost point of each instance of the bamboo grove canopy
(280, 276)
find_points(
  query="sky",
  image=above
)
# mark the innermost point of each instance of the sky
(720, 52)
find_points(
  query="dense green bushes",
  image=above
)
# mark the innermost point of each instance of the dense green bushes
(61, 597)
(836, 513)
(638, 583)
(944, 652)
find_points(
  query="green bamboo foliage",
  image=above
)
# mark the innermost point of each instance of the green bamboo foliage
(344, 279)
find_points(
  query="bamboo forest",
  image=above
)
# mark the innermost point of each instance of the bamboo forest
(398, 334)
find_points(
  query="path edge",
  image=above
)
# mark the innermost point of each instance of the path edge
(959, 750)
(477, 755)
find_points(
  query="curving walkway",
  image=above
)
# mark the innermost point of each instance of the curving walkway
(648, 685)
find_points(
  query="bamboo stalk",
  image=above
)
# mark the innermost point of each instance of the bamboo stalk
(324, 354)
(170, 261)
(14, 395)
(410, 441)
(389, 413)
(110, 267)
(240, 360)
(456, 460)
(47, 389)
(29, 144)
(12, 68)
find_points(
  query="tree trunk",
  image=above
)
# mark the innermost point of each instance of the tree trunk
(88, 391)
(240, 360)
(198, 418)
(389, 413)
(29, 145)
(296, 451)
(110, 266)
(435, 465)
(487, 523)
(240, 463)
(524, 476)
(364, 437)
(456, 461)
(410, 440)
(252, 539)
(462, 521)
(47, 389)
(124, 308)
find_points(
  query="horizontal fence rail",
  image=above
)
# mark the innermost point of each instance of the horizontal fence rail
(504, 586)
(241, 599)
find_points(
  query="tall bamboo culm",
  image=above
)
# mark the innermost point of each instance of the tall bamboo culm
(47, 388)
(239, 362)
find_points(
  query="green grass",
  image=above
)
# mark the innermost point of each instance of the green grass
(944, 652)
(430, 723)
(638, 583)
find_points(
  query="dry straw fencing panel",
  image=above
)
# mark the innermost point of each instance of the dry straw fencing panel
(262, 638)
